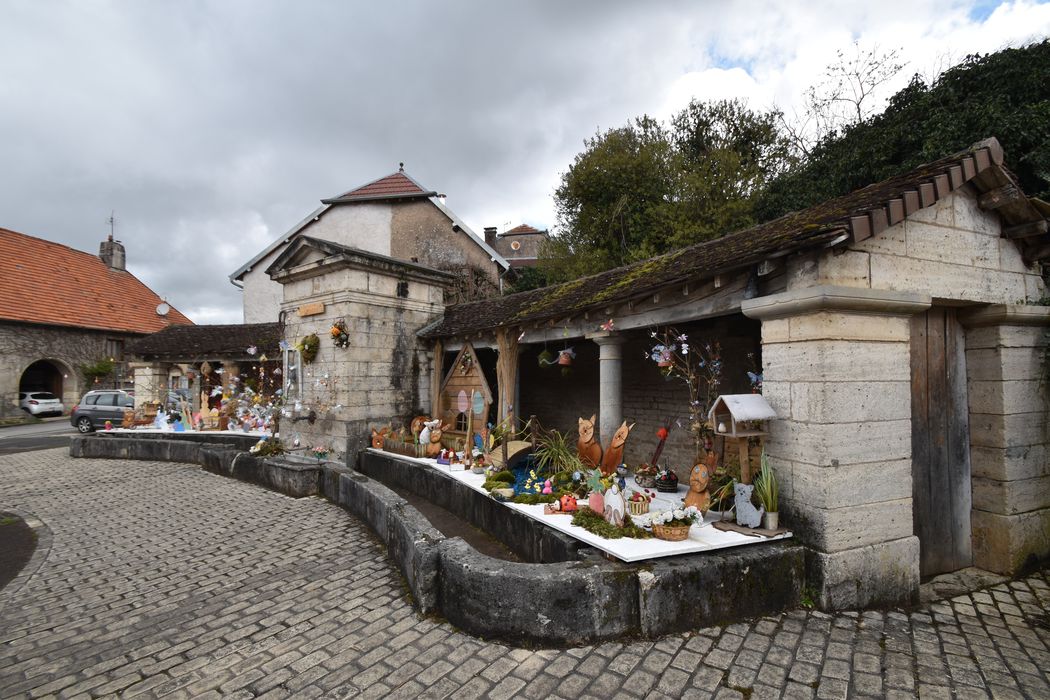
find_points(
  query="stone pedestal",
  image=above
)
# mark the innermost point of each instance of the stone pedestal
(610, 383)
(837, 370)
(1006, 360)
(151, 381)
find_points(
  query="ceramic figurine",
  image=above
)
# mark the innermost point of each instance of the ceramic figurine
(615, 506)
(568, 503)
(416, 426)
(377, 437)
(547, 488)
(426, 430)
(588, 449)
(434, 438)
(746, 513)
(613, 456)
(699, 478)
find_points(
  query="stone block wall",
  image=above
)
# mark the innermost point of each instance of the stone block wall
(383, 377)
(839, 379)
(1007, 374)
(66, 348)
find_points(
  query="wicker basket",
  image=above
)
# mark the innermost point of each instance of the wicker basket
(638, 507)
(670, 533)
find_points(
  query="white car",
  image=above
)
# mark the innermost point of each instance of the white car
(40, 403)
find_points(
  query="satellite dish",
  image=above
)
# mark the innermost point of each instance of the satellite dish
(163, 308)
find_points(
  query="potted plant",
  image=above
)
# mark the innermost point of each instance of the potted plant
(672, 525)
(768, 492)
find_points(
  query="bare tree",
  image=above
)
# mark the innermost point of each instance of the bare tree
(846, 95)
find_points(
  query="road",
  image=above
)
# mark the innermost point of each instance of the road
(163, 580)
(49, 433)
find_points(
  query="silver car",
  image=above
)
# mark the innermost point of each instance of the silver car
(40, 403)
(99, 406)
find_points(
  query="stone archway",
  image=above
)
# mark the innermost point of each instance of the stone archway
(50, 375)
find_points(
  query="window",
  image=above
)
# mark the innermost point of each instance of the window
(91, 400)
(402, 290)
(292, 374)
(115, 349)
(515, 245)
(107, 400)
(461, 422)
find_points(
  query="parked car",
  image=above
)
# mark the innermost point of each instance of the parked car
(40, 403)
(100, 406)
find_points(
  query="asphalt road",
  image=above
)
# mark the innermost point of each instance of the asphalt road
(51, 432)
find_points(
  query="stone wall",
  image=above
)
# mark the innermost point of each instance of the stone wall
(383, 377)
(1008, 371)
(67, 348)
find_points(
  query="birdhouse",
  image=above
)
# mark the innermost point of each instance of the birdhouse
(465, 397)
(740, 415)
(737, 417)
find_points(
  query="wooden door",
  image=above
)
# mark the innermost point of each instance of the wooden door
(940, 442)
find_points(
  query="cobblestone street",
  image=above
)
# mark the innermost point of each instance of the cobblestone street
(159, 579)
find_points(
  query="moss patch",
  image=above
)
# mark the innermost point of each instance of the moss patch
(595, 524)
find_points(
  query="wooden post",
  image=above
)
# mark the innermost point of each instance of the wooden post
(436, 377)
(506, 374)
(745, 460)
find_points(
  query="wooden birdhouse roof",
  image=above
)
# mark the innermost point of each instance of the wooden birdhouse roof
(475, 371)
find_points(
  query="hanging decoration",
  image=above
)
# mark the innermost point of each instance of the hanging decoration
(308, 348)
(340, 334)
(466, 363)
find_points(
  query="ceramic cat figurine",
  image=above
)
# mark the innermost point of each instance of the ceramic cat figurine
(746, 514)
(587, 448)
(613, 456)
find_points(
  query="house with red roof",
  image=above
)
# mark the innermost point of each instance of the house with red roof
(393, 216)
(62, 310)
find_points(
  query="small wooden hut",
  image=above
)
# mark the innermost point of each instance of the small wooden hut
(465, 397)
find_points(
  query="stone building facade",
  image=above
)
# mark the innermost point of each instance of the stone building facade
(52, 325)
(384, 374)
(903, 348)
(393, 217)
(519, 245)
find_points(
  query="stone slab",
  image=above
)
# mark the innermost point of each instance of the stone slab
(1011, 497)
(883, 574)
(1010, 544)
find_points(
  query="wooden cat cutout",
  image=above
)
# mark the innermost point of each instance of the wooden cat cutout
(377, 437)
(587, 448)
(613, 456)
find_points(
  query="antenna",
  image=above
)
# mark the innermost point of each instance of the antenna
(112, 221)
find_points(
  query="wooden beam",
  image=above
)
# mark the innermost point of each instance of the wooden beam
(1000, 196)
(896, 211)
(860, 227)
(955, 176)
(911, 202)
(1037, 253)
(1026, 230)
(942, 185)
(879, 221)
(969, 169)
(927, 194)
(982, 159)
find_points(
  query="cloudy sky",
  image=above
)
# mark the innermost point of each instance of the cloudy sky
(211, 127)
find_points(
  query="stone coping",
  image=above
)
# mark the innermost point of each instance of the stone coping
(1006, 315)
(578, 597)
(564, 601)
(835, 298)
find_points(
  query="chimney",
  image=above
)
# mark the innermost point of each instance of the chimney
(490, 236)
(112, 253)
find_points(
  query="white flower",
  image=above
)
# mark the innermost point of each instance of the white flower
(679, 514)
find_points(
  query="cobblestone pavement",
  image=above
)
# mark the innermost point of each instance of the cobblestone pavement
(163, 580)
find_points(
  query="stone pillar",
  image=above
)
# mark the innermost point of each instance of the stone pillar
(1007, 368)
(610, 383)
(151, 381)
(837, 370)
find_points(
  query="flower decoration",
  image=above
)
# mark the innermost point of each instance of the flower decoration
(677, 517)
(466, 363)
(607, 326)
(340, 334)
(251, 350)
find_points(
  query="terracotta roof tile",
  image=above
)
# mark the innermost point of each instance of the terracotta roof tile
(395, 185)
(520, 230)
(49, 283)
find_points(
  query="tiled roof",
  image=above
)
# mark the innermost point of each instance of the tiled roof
(214, 342)
(523, 229)
(394, 186)
(49, 283)
(855, 216)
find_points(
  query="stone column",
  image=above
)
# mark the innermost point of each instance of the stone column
(610, 383)
(151, 381)
(837, 370)
(1006, 368)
